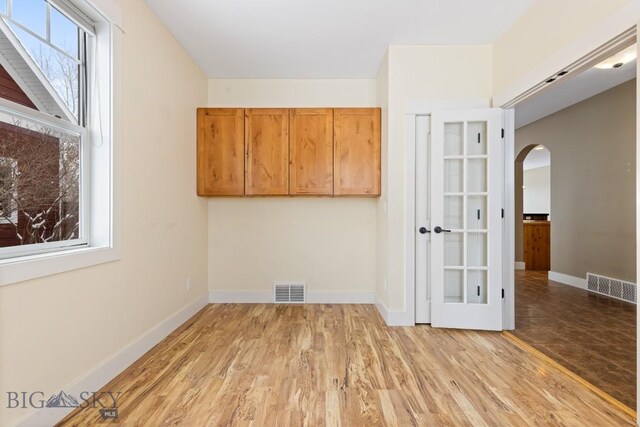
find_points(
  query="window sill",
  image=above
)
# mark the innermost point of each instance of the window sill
(20, 269)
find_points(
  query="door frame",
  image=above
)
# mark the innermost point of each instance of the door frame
(412, 109)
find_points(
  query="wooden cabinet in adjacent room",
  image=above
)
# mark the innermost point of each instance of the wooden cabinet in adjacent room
(536, 239)
(220, 152)
(267, 141)
(356, 167)
(311, 151)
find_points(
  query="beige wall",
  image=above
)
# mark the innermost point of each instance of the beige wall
(328, 242)
(55, 330)
(593, 191)
(417, 73)
(546, 28)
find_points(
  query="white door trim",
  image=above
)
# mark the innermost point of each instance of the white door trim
(508, 232)
(415, 108)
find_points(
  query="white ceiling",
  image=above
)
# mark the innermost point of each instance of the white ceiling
(571, 90)
(324, 38)
(537, 159)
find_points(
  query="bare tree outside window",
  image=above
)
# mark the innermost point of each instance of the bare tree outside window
(62, 73)
(42, 187)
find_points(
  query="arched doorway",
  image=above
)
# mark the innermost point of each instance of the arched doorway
(533, 208)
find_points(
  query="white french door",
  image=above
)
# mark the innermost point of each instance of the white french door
(459, 219)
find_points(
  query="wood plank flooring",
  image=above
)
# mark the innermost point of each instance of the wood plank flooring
(593, 336)
(268, 365)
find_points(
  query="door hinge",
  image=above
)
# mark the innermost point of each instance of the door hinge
(503, 132)
(502, 212)
(502, 292)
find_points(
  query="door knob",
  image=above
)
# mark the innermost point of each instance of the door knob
(439, 230)
(423, 230)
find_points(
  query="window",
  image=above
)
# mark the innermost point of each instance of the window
(44, 127)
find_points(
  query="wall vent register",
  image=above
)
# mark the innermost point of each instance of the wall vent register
(614, 288)
(289, 293)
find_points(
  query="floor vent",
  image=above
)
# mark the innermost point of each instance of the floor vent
(289, 293)
(614, 288)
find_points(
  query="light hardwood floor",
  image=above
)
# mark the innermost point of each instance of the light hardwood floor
(267, 365)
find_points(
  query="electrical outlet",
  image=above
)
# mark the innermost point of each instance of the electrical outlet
(188, 283)
(385, 285)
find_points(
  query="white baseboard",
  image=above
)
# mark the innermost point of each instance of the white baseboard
(245, 297)
(519, 265)
(105, 372)
(341, 297)
(240, 297)
(568, 280)
(394, 317)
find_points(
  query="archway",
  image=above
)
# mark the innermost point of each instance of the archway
(533, 208)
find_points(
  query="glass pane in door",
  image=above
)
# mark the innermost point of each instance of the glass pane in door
(453, 286)
(477, 287)
(477, 249)
(453, 212)
(477, 176)
(454, 249)
(453, 139)
(476, 138)
(476, 212)
(453, 176)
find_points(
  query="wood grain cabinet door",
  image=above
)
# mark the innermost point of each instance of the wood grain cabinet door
(311, 151)
(267, 140)
(356, 152)
(220, 152)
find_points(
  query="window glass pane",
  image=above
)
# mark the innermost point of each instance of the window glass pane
(3, 6)
(32, 14)
(64, 33)
(39, 183)
(61, 71)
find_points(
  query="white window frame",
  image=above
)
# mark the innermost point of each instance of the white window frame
(18, 111)
(102, 189)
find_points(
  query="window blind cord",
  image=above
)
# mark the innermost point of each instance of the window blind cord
(96, 112)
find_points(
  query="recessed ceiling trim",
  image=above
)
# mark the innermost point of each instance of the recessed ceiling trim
(605, 51)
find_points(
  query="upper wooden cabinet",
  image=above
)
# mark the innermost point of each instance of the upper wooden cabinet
(267, 141)
(280, 151)
(220, 152)
(356, 167)
(311, 151)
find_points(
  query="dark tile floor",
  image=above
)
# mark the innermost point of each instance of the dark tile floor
(591, 335)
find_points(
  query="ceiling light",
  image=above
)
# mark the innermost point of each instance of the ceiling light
(539, 147)
(620, 58)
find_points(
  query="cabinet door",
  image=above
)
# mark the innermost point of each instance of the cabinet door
(311, 151)
(356, 152)
(267, 140)
(220, 152)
